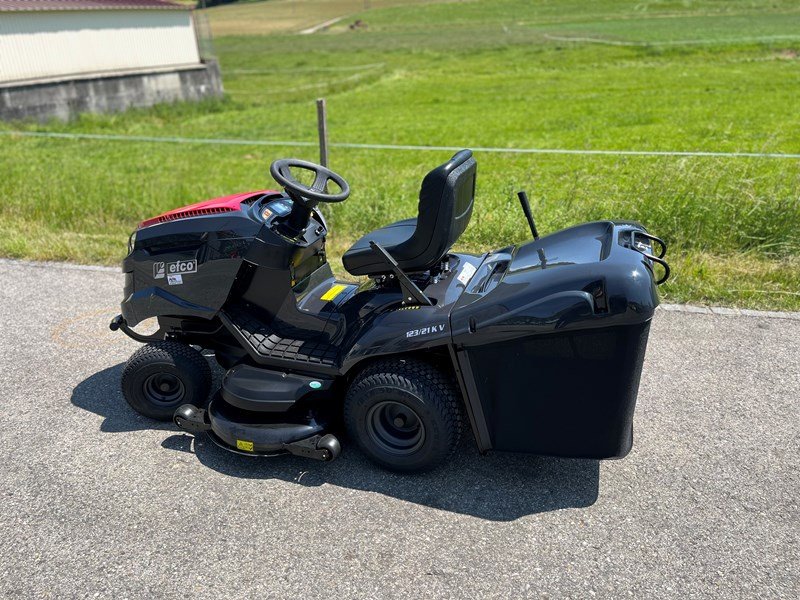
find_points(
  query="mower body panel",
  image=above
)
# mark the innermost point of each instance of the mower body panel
(185, 267)
(259, 390)
(185, 262)
(384, 326)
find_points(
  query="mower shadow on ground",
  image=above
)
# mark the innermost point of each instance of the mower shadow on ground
(496, 487)
(100, 393)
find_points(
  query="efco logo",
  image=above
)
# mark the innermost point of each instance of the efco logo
(179, 267)
(182, 267)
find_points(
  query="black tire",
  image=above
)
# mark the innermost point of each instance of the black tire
(161, 376)
(392, 401)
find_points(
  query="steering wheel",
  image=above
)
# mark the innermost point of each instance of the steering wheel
(281, 172)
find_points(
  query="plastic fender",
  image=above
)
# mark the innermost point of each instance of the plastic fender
(401, 331)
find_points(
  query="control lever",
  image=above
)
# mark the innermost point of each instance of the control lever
(412, 295)
(526, 208)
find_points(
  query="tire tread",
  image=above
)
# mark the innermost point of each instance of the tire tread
(424, 380)
(184, 357)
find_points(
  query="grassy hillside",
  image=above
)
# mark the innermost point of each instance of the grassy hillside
(712, 75)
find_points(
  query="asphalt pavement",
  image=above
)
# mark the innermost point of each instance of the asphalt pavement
(97, 501)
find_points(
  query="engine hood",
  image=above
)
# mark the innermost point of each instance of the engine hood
(207, 207)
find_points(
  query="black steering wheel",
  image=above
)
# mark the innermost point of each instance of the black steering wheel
(281, 171)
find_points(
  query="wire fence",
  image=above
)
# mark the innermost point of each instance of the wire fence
(393, 147)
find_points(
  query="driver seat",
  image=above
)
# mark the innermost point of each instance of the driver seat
(445, 207)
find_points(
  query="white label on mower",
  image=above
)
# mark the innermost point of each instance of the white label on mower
(159, 268)
(466, 273)
(174, 279)
(425, 330)
(182, 266)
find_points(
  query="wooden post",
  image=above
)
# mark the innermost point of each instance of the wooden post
(322, 126)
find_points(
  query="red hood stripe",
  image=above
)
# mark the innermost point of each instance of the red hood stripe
(208, 207)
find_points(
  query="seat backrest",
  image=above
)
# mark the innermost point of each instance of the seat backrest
(445, 207)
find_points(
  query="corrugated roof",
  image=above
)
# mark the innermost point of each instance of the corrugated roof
(29, 5)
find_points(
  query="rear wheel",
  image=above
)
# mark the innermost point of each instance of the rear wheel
(161, 376)
(405, 414)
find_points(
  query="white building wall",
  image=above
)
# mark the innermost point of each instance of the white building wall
(46, 44)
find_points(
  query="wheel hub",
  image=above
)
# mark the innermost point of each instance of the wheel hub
(164, 388)
(395, 427)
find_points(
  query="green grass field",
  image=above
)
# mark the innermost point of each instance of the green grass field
(707, 75)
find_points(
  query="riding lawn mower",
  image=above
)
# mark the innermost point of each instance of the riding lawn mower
(535, 347)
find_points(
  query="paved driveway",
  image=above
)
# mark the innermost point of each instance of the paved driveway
(98, 501)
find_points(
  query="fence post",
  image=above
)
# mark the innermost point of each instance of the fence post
(322, 126)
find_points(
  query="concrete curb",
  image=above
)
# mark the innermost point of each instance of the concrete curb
(725, 311)
(721, 311)
(37, 264)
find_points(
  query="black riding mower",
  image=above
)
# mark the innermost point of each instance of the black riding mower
(535, 348)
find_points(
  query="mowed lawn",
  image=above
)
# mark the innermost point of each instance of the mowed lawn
(710, 75)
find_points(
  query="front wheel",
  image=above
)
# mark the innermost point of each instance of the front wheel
(405, 414)
(161, 376)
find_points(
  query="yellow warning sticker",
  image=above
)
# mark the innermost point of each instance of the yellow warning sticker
(333, 292)
(244, 445)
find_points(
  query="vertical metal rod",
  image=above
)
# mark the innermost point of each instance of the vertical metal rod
(322, 126)
(526, 208)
